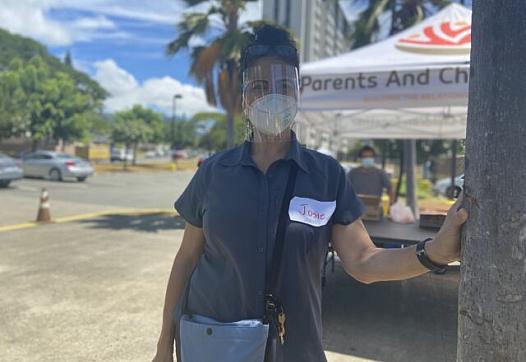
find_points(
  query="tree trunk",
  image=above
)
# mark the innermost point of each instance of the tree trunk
(125, 164)
(229, 130)
(492, 296)
(134, 159)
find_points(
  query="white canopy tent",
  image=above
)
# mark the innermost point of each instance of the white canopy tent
(413, 85)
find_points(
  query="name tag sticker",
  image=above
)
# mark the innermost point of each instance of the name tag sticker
(310, 211)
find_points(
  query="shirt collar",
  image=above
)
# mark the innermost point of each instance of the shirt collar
(241, 155)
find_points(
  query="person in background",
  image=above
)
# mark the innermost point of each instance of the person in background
(369, 179)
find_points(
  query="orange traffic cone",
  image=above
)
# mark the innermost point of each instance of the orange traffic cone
(44, 215)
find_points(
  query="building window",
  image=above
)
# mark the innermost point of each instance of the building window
(276, 11)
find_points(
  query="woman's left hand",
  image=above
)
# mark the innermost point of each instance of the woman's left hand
(445, 247)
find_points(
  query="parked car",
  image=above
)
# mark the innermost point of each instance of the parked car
(443, 186)
(203, 158)
(120, 154)
(10, 170)
(179, 155)
(55, 166)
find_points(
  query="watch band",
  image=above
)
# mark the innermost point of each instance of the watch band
(424, 259)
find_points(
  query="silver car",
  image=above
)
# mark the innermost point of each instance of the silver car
(10, 170)
(55, 166)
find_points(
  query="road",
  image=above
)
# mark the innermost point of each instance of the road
(92, 289)
(102, 192)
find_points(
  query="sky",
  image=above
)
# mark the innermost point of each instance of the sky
(121, 44)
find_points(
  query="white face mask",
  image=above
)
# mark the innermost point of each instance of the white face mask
(273, 113)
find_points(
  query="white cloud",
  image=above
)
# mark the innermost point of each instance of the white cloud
(30, 18)
(99, 22)
(126, 91)
(158, 11)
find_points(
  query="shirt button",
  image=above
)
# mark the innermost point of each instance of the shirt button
(260, 250)
(260, 292)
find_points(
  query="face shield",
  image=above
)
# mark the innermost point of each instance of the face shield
(270, 100)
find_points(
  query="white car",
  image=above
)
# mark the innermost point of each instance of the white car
(55, 166)
(120, 154)
(10, 170)
(443, 186)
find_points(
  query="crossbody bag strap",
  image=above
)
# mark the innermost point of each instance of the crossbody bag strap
(277, 255)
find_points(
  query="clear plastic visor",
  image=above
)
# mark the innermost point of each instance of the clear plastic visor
(270, 101)
(275, 78)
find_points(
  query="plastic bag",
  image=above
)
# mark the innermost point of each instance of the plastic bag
(401, 214)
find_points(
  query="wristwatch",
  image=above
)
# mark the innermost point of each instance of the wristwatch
(424, 259)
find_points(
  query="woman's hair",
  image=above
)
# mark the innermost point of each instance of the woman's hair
(366, 148)
(271, 35)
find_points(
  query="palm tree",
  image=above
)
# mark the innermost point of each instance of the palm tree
(404, 14)
(216, 65)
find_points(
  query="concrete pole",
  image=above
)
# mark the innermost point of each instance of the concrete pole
(410, 162)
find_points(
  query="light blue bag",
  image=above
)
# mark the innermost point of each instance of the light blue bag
(205, 340)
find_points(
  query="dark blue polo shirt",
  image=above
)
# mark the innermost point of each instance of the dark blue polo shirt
(238, 208)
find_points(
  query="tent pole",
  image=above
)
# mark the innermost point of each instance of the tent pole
(384, 151)
(400, 172)
(453, 167)
(410, 146)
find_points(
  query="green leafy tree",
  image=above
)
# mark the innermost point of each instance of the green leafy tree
(216, 65)
(68, 62)
(135, 126)
(71, 116)
(36, 81)
(17, 47)
(55, 109)
(43, 97)
(184, 133)
(216, 138)
(13, 113)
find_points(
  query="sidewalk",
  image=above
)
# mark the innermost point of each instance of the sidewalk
(93, 290)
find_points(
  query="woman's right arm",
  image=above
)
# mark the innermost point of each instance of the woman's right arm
(183, 265)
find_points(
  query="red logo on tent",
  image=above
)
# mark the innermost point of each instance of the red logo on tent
(447, 38)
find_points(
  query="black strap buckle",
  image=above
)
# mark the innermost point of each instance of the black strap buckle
(270, 308)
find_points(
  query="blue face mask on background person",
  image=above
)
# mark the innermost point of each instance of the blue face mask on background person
(368, 162)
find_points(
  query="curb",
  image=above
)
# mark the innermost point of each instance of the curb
(66, 219)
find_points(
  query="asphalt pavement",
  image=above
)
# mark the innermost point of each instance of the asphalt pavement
(106, 191)
(92, 289)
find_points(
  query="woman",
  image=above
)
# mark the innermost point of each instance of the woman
(232, 207)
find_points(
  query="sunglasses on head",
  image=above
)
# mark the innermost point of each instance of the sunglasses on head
(284, 51)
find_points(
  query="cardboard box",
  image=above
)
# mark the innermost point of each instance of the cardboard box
(432, 219)
(373, 207)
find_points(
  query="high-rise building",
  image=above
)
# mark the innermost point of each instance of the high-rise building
(320, 26)
(321, 29)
